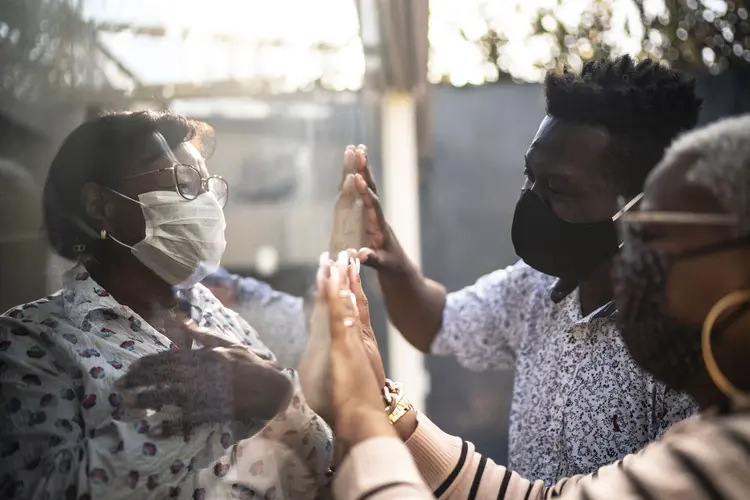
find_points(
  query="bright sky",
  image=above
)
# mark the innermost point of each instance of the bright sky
(464, 62)
(302, 23)
(198, 58)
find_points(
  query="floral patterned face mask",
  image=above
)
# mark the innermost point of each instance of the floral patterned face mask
(665, 347)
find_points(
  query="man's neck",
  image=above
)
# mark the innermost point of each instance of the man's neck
(596, 290)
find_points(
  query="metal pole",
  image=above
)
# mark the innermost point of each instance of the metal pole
(401, 197)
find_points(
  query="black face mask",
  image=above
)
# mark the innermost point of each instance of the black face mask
(556, 247)
(666, 348)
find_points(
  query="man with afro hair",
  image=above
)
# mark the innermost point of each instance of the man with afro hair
(579, 401)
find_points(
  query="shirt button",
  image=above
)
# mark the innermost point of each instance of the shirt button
(559, 401)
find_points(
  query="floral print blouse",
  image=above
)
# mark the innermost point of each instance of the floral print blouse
(580, 402)
(65, 433)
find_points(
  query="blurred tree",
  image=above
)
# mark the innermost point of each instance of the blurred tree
(692, 33)
(44, 48)
(689, 34)
(584, 41)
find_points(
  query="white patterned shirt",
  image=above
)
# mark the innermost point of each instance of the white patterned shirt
(278, 317)
(65, 433)
(579, 401)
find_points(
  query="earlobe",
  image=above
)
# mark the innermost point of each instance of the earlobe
(94, 203)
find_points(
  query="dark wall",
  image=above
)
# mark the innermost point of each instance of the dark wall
(23, 249)
(468, 197)
(725, 95)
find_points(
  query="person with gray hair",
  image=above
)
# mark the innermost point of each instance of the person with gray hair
(682, 288)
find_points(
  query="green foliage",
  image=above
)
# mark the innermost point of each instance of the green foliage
(688, 34)
(692, 34)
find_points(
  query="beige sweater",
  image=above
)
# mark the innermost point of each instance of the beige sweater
(700, 458)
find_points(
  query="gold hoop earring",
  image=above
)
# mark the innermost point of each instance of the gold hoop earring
(103, 234)
(717, 376)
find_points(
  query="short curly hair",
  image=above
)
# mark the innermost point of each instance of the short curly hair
(98, 151)
(644, 106)
(719, 157)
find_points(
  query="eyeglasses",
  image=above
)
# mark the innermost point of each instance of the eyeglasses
(189, 183)
(628, 216)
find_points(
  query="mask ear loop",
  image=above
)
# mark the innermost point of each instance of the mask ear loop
(104, 234)
(717, 376)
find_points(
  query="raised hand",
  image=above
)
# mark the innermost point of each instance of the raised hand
(314, 365)
(357, 404)
(363, 312)
(381, 249)
(348, 229)
(218, 383)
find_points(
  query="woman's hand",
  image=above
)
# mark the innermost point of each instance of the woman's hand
(219, 383)
(407, 424)
(348, 216)
(355, 390)
(363, 311)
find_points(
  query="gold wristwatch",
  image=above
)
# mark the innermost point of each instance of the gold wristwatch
(396, 404)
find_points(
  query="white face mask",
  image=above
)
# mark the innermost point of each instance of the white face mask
(184, 238)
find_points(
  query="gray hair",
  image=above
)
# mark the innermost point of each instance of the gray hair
(722, 164)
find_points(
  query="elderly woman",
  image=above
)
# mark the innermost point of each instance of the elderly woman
(134, 381)
(683, 296)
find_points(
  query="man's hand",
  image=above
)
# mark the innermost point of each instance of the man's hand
(379, 246)
(218, 383)
(414, 303)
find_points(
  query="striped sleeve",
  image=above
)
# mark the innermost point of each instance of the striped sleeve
(377, 469)
(452, 469)
(700, 460)
(705, 460)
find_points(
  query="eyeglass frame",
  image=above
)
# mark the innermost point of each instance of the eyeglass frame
(173, 168)
(625, 215)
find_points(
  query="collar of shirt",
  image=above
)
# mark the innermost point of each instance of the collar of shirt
(572, 305)
(82, 296)
(608, 310)
(86, 302)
